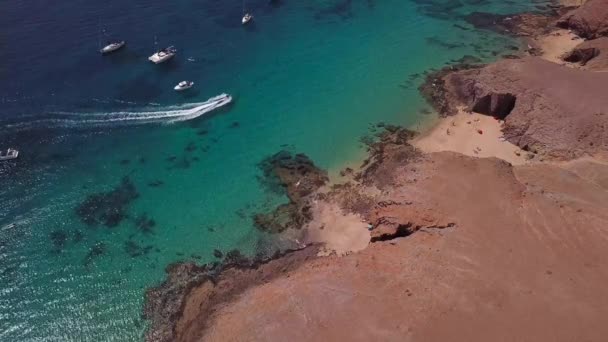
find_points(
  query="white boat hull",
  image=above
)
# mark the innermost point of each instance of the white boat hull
(182, 88)
(112, 47)
(157, 59)
(246, 19)
(10, 154)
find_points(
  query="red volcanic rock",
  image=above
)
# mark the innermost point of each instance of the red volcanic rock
(548, 108)
(588, 21)
(592, 54)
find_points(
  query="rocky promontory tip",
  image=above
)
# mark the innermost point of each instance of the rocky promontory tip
(298, 177)
(180, 306)
(589, 21)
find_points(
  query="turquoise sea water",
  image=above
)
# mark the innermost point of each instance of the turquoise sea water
(308, 76)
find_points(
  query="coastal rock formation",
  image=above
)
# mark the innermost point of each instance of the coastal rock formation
(181, 306)
(536, 99)
(589, 21)
(528, 250)
(460, 248)
(521, 24)
(591, 54)
(299, 178)
(389, 150)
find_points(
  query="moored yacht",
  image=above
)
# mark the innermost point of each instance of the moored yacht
(112, 46)
(183, 85)
(10, 154)
(246, 18)
(163, 55)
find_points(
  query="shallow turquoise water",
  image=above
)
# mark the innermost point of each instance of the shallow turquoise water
(309, 77)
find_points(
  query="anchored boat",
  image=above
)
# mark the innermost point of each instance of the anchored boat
(10, 154)
(183, 85)
(163, 55)
(111, 47)
(246, 18)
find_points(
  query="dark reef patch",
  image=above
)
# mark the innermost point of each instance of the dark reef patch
(108, 208)
(156, 183)
(77, 236)
(145, 224)
(341, 9)
(191, 147)
(441, 43)
(134, 250)
(95, 251)
(59, 239)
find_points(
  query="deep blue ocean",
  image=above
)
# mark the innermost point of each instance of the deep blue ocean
(94, 132)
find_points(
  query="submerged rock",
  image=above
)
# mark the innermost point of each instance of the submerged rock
(59, 239)
(145, 224)
(135, 250)
(108, 208)
(298, 178)
(95, 251)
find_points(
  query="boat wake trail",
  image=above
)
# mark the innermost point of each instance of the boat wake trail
(166, 115)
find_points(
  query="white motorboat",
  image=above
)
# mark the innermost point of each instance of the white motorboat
(247, 18)
(183, 85)
(112, 46)
(163, 55)
(10, 154)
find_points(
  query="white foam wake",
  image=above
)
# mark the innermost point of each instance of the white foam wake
(169, 114)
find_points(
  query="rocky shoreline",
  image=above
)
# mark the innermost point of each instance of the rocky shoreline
(449, 239)
(213, 284)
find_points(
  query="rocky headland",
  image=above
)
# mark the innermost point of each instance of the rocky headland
(491, 226)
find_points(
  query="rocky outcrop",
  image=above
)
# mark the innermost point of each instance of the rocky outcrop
(521, 24)
(390, 149)
(298, 177)
(589, 21)
(180, 307)
(528, 249)
(548, 108)
(591, 54)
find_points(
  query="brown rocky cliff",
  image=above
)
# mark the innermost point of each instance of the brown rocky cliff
(589, 20)
(547, 108)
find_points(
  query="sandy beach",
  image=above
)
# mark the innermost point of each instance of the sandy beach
(471, 134)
